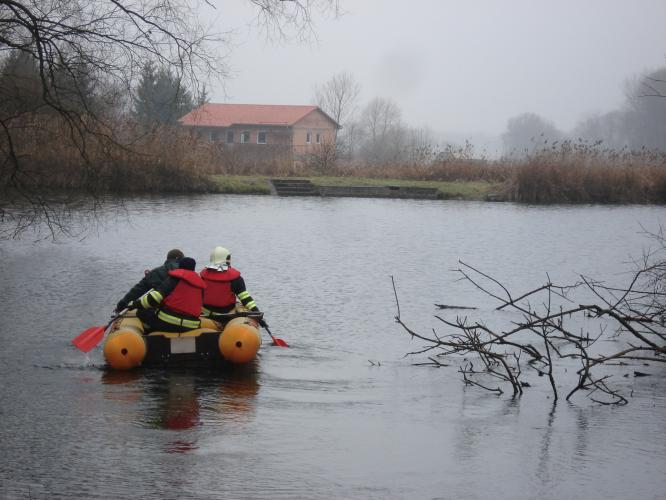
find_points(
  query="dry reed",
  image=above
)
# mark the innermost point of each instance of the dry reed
(176, 160)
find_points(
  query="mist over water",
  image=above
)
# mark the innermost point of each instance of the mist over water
(317, 420)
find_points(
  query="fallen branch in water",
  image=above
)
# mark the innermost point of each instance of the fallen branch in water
(546, 336)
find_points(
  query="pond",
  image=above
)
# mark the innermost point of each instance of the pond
(342, 413)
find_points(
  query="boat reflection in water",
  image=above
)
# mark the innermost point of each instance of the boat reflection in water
(185, 400)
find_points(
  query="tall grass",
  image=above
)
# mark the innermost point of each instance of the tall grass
(582, 174)
(132, 160)
(565, 173)
(53, 156)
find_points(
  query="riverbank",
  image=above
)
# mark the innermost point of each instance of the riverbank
(261, 185)
(172, 161)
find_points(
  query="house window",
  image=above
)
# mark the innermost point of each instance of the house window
(212, 135)
(230, 136)
(261, 138)
(308, 137)
(318, 138)
(245, 136)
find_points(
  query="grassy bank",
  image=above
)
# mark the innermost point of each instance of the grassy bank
(568, 173)
(464, 190)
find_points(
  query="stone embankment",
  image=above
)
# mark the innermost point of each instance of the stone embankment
(298, 187)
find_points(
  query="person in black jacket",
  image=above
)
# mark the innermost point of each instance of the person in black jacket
(175, 304)
(152, 279)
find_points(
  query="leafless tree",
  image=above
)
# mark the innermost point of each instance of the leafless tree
(285, 19)
(610, 326)
(338, 96)
(419, 146)
(639, 125)
(527, 133)
(323, 157)
(83, 48)
(381, 124)
(645, 118)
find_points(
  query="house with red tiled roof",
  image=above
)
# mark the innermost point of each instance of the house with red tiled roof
(257, 128)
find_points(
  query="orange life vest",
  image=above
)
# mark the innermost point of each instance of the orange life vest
(218, 291)
(187, 297)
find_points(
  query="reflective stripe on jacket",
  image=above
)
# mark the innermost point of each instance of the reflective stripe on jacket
(178, 321)
(218, 292)
(187, 297)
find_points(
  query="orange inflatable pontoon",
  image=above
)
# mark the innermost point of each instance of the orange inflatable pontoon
(235, 341)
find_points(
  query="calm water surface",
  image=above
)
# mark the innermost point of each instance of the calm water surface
(319, 420)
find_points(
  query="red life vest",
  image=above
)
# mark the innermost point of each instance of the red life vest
(187, 297)
(218, 291)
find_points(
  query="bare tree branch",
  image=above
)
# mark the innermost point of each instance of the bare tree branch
(634, 316)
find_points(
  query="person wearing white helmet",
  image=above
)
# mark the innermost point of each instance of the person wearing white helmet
(223, 285)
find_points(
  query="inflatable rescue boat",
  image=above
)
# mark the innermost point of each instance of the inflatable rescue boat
(237, 341)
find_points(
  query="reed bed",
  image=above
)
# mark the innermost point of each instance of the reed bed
(54, 156)
(167, 159)
(588, 176)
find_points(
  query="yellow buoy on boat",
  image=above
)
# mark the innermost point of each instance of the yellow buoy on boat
(125, 347)
(240, 340)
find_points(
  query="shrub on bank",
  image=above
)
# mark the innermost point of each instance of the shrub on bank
(587, 177)
(55, 156)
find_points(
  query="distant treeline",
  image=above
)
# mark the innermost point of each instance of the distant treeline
(638, 125)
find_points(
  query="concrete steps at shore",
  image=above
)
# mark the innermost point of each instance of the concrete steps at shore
(303, 187)
(294, 187)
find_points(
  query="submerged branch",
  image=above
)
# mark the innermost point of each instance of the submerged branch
(638, 311)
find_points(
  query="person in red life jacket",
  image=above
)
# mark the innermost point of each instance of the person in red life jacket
(223, 284)
(174, 305)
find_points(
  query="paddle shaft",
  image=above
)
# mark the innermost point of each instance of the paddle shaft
(269, 332)
(121, 313)
(276, 341)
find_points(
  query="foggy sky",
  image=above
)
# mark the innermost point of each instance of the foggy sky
(456, 66)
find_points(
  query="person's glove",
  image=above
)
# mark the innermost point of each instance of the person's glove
(122, 306)
(263, 323)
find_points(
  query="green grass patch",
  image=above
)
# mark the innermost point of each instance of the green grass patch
(241, 184)
(465, 190)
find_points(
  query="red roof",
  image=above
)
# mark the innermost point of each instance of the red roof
(225, 115)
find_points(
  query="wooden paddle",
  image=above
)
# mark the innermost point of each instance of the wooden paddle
(88, 339)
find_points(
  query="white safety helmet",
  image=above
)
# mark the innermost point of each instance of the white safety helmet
(220, 256)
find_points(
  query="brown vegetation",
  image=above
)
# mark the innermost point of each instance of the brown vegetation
(171, 159)
(129, 161)
(565, 173)
(581, 174)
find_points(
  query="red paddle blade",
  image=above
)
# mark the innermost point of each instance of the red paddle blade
(279, 342)
(88, 339)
